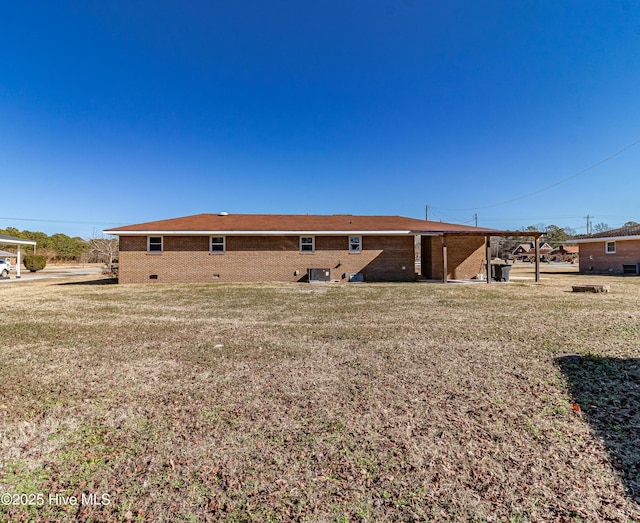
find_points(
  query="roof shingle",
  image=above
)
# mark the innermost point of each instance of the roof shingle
(633, 230)
(295, 222)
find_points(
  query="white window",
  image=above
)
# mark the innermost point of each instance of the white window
(154, 244)
(610, 247)
(307, 244)
(355, 243)
(217, 244)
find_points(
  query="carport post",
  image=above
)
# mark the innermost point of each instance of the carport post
(487, 248)
(18, 263)
(445, 272)
(537, 251)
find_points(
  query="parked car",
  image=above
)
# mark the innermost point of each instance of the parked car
(5, 267)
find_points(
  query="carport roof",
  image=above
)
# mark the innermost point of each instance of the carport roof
(11, 240)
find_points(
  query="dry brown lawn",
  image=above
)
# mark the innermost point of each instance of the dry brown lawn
(295, 402)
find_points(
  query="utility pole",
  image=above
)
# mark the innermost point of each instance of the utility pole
(426, 212)
(589, 224)
(475, 217)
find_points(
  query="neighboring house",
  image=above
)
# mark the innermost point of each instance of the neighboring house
(527, 251)
(9, 257)
(521, 250)
(254, 247)
(566, 253)
(611, 252)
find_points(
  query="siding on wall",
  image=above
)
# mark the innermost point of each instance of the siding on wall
(264, 258)
(593, 258)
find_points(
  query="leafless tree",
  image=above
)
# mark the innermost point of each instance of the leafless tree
(104, 250)
(601, 227)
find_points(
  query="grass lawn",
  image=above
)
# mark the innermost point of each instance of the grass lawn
(295, 402)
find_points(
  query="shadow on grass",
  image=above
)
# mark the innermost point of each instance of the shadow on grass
(102, 281)
(561, 273)
(610, 275)
(608, 393)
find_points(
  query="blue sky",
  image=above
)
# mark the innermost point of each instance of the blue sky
(114, 113)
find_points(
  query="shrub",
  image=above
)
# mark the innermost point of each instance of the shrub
(35, 262)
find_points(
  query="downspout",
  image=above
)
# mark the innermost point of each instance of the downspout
(487, 253)
(537, 251)
(445, 270)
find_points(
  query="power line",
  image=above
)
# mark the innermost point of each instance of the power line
(444, 215)
(591, 167)
(524, 218)
(58, 221)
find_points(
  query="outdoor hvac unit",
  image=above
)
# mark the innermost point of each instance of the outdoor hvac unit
(317, 275)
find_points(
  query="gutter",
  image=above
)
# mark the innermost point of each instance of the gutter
(606, 239)
(256, 233)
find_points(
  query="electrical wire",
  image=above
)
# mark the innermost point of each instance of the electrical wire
(58, 221)
(591, 167)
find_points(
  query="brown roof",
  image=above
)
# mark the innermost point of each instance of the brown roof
(530, 248)
(630, 231)
(565, 248)
(633, 230)
(206, 223)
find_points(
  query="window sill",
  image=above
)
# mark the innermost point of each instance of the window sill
(154, 253)
(217, 253)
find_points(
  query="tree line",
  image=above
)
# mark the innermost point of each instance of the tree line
(60, 247)
(554, 235)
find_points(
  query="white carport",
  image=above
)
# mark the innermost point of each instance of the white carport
(10, 240)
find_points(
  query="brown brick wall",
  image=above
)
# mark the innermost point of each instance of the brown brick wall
(264, 258)
(593, 258)
(465, 256)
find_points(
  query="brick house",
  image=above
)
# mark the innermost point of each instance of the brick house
(565, 253)
(254, 247)
(611, 252)
(527, 251)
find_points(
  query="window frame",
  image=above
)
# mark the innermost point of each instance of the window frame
(313, 245)
(224, 245)
(606, 247)
(359, 242)
(154, 251)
